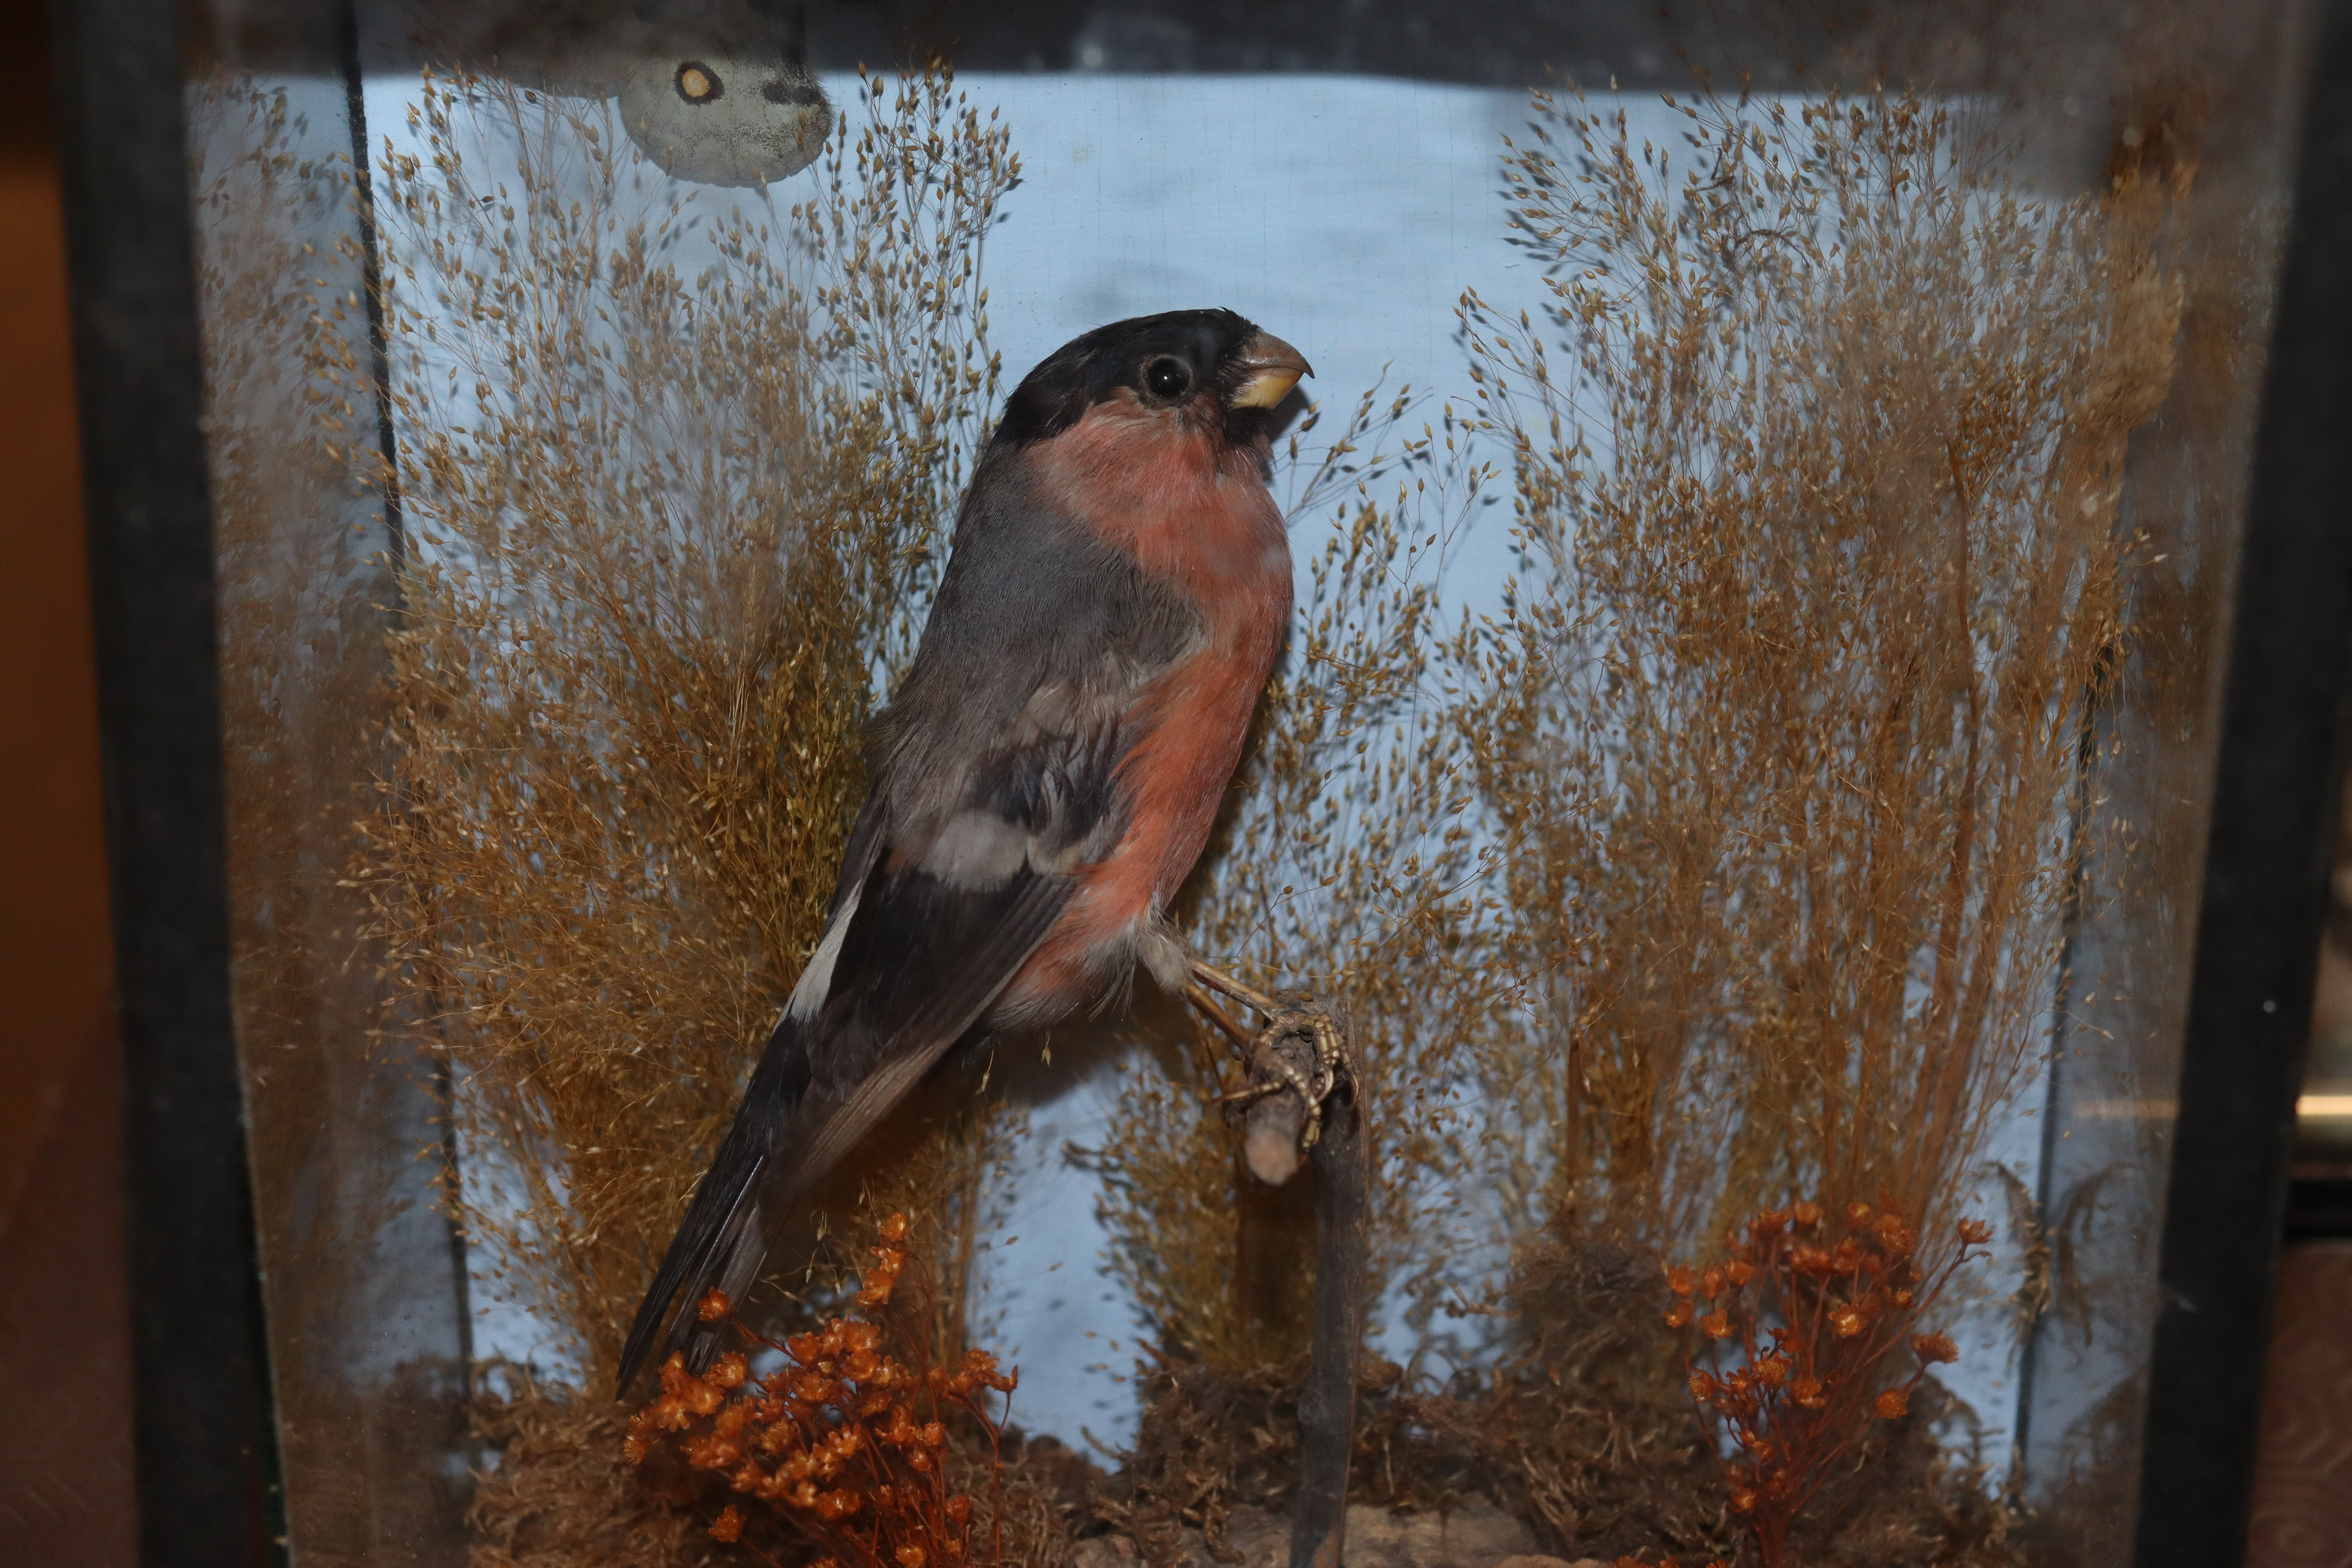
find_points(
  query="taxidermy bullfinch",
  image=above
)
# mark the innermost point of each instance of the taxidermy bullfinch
(1045, 775)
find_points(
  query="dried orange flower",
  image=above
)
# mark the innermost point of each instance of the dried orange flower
(843, 1440)
(1830, 1306)
(715, 1307)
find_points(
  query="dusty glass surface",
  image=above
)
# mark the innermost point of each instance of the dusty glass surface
(368, 1343)
(1759, 546)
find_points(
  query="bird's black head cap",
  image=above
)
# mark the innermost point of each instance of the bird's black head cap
(1164, 360)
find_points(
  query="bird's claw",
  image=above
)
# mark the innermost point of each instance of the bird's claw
(1297, 1050)
(1272, 1071)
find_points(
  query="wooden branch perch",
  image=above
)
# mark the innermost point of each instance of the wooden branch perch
(1285, 1057)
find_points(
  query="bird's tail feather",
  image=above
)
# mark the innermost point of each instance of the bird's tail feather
(722, 1241)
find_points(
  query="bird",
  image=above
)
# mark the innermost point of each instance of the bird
(1043, 777)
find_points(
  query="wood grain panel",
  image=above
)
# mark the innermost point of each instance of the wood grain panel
(2302, 1488)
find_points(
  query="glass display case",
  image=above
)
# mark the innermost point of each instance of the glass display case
(1762, 921)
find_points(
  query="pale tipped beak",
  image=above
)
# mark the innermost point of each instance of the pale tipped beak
(1269, 368)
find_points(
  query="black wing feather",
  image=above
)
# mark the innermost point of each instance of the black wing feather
(882, 1029)
(716, 1220)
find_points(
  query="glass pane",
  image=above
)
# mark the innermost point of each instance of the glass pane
(1735, 770)
(364, 1295)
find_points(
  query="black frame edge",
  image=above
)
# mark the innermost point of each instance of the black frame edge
(2275, 792)
(200, 1407)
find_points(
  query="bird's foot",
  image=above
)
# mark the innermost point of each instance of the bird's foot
(1294, 1061)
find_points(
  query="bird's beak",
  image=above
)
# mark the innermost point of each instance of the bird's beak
(1269, 368)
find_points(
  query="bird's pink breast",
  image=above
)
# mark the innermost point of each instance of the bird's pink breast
(1194, 513)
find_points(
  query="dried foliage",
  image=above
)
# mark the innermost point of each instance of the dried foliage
(562, 1493)
(1210, 1440)
(1824, 580)
(1788, 1365)
(1586, 1431)
(1783, 731)
(1588, 1435)
(847, 1443)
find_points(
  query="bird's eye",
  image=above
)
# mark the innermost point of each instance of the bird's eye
(697, 83)
(1167, 378)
